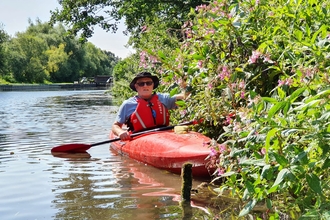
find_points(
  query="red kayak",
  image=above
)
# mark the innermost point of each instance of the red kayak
(168, 150)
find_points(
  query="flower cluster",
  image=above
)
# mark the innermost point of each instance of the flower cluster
(146, 60)
(256, 55)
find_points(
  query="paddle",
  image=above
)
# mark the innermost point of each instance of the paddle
(79, 148)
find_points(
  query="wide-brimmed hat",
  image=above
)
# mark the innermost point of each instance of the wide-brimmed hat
(155, 79)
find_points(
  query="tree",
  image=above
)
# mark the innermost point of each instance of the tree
(3, 57)
(123, 73)
(44, 53)
(57, 60)
(82, 16)
(27, 58)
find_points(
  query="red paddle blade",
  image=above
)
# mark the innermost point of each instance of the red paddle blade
(73, 148)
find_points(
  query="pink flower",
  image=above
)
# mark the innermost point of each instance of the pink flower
(267, 59)
(242, 94)
(212, 31)
(189, 33)
(213, 152)
(201, 7)
(254, 57)
(183, 112)
(228, 120)
(241, 85)
(271, 13)
(263, 151)
(224, 73)
(281, 82)
(220, 171)
(200, 64)
(222, 148)
(144, 28)
(287, 82)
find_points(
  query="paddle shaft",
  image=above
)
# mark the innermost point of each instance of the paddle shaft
(84, 147)
(144, 132)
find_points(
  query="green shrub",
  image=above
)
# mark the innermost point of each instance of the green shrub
(258, 75)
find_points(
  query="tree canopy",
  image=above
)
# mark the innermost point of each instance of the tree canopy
(81, 16)
(44, 53)
(3, 58)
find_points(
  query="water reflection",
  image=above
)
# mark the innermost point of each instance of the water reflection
(71, 155)
(97, 185)
(121, 192)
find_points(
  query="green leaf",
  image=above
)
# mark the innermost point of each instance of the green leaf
(161, 55)
(296, 94)
(249, 187)
(174, 91)
(260, 162)
(324, 92)
(323, 27)
(280, 93)
(286, 108)
(269, 203)
(180, 103)
(269, 99)
(314, 183)
(298, 34)
(281, 159)
(280, 177)
(272, 189)
(265, 170)
(260, 107)
(325, 116)
(326, 164)
(326, 215)
(248, 207)
(205, 50)
(198, 57)
(269, 136)
(313, 103)
(228, 174)
(275, 109)
(297, 170)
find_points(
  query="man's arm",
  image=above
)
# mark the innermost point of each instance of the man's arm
(124, 135)
(182, 96)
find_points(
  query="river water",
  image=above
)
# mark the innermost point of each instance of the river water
(34, 184)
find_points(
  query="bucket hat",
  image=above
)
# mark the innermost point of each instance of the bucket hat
(155, 79)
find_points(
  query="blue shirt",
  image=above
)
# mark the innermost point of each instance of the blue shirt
(129, 106)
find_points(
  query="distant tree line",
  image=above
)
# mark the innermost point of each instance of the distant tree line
(47, 54)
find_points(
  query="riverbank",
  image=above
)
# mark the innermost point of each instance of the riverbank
(51, 87)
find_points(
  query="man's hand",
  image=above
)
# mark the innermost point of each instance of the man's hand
(124, 136)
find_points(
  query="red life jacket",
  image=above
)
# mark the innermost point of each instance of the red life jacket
(149, 114)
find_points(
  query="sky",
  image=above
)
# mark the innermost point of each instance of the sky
(14, 16)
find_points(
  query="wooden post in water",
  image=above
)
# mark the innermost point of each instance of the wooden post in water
(186, 174)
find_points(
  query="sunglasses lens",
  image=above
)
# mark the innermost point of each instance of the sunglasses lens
(144, 83)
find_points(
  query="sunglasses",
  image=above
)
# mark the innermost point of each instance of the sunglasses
(148, 83)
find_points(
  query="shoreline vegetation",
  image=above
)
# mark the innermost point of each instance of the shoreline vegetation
(52, 87)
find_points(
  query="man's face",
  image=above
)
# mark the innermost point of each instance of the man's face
(144, 87)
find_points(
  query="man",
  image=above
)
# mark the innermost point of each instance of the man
(145, 110)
